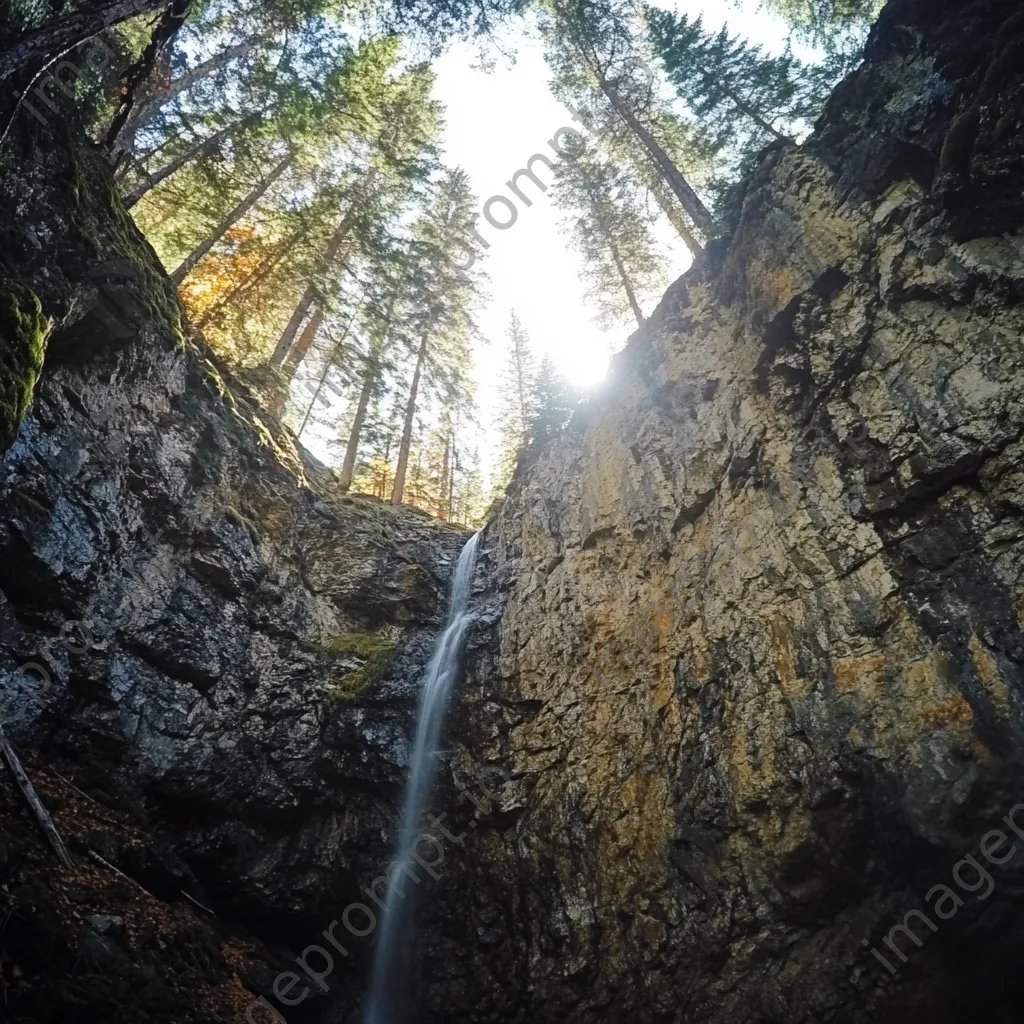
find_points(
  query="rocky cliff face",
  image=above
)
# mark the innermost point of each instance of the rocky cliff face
(758, 673)
(230, 649)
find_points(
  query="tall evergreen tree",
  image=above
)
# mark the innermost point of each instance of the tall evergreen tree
(442, 296)
(379, 315)
(829, 24)
(612, 232)
(725, 79)
(597, 66)
(396, 124)
(515, 411)
(744, 96)
(592, 46)
(232, 217)
(554, 401)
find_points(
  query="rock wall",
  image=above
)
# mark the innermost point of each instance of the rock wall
(231, 648)
(756, 667)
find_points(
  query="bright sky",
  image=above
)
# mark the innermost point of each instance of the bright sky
(495, 121)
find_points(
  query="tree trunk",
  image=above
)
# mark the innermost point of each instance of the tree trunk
(35, 806)
(451, 483)
(330, 362)
(695, 209)
(301, 348)
(348, 466)
(232, 218)
(754, 116)
(145, 111)
(410, 413)
(373, 356)
(624, 277)
(284, 343)
(201, 149)
(63, 34)
(204, 70)
(446, 465)
(609, 240)
(676, 219)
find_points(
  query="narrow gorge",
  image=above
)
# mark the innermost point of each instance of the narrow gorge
(739, 732)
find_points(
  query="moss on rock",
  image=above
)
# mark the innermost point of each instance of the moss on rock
(377, 652)
(243, 521)
(108, 228)
(23, 331)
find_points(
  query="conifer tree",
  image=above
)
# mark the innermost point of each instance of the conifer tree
(744, 96)
(829, 24)
(592, 49)
(726, 80)
(515, 399)
(598, 70)
(232, 217)
(396, 122)
(612, 232)
(442, 297)
(378, 316)
(554, 401)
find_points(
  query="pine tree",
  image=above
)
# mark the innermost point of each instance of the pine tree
(597, 66)
(613, 234)
(396, 122)
(592, 49)
(378, 317)
(232, 217)
(744, 96)
(469, 505)
(515, 400)
(194, 151)
(442, 296)
(827, 23)
(554, 400)
(70, 29)
(725, 80)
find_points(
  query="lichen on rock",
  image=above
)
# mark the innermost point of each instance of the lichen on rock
(23, 332)
(376, 653)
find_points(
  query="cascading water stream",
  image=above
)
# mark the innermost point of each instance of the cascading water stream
(388, 981)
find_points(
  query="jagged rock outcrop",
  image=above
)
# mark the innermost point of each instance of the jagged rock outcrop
(759, 675)
(232, 647)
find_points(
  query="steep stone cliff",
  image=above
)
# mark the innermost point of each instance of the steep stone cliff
(757, 676)
(230, 648)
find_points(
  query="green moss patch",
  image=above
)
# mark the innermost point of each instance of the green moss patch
(377, 653)
(244, 522)
(108, 229)
(23, 330)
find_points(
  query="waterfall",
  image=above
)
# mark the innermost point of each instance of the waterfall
(389, 982)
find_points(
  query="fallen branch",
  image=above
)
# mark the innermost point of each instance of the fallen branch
(39, 813)
(68, 782)
(117, 871)
(192, 899)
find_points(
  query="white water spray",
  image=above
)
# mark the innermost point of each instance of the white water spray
(388, 987)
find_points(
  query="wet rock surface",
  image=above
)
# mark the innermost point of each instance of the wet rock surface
(758, 674)
(181, 571)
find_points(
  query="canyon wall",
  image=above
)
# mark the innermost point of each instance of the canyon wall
(231, 647)
(755, 667)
